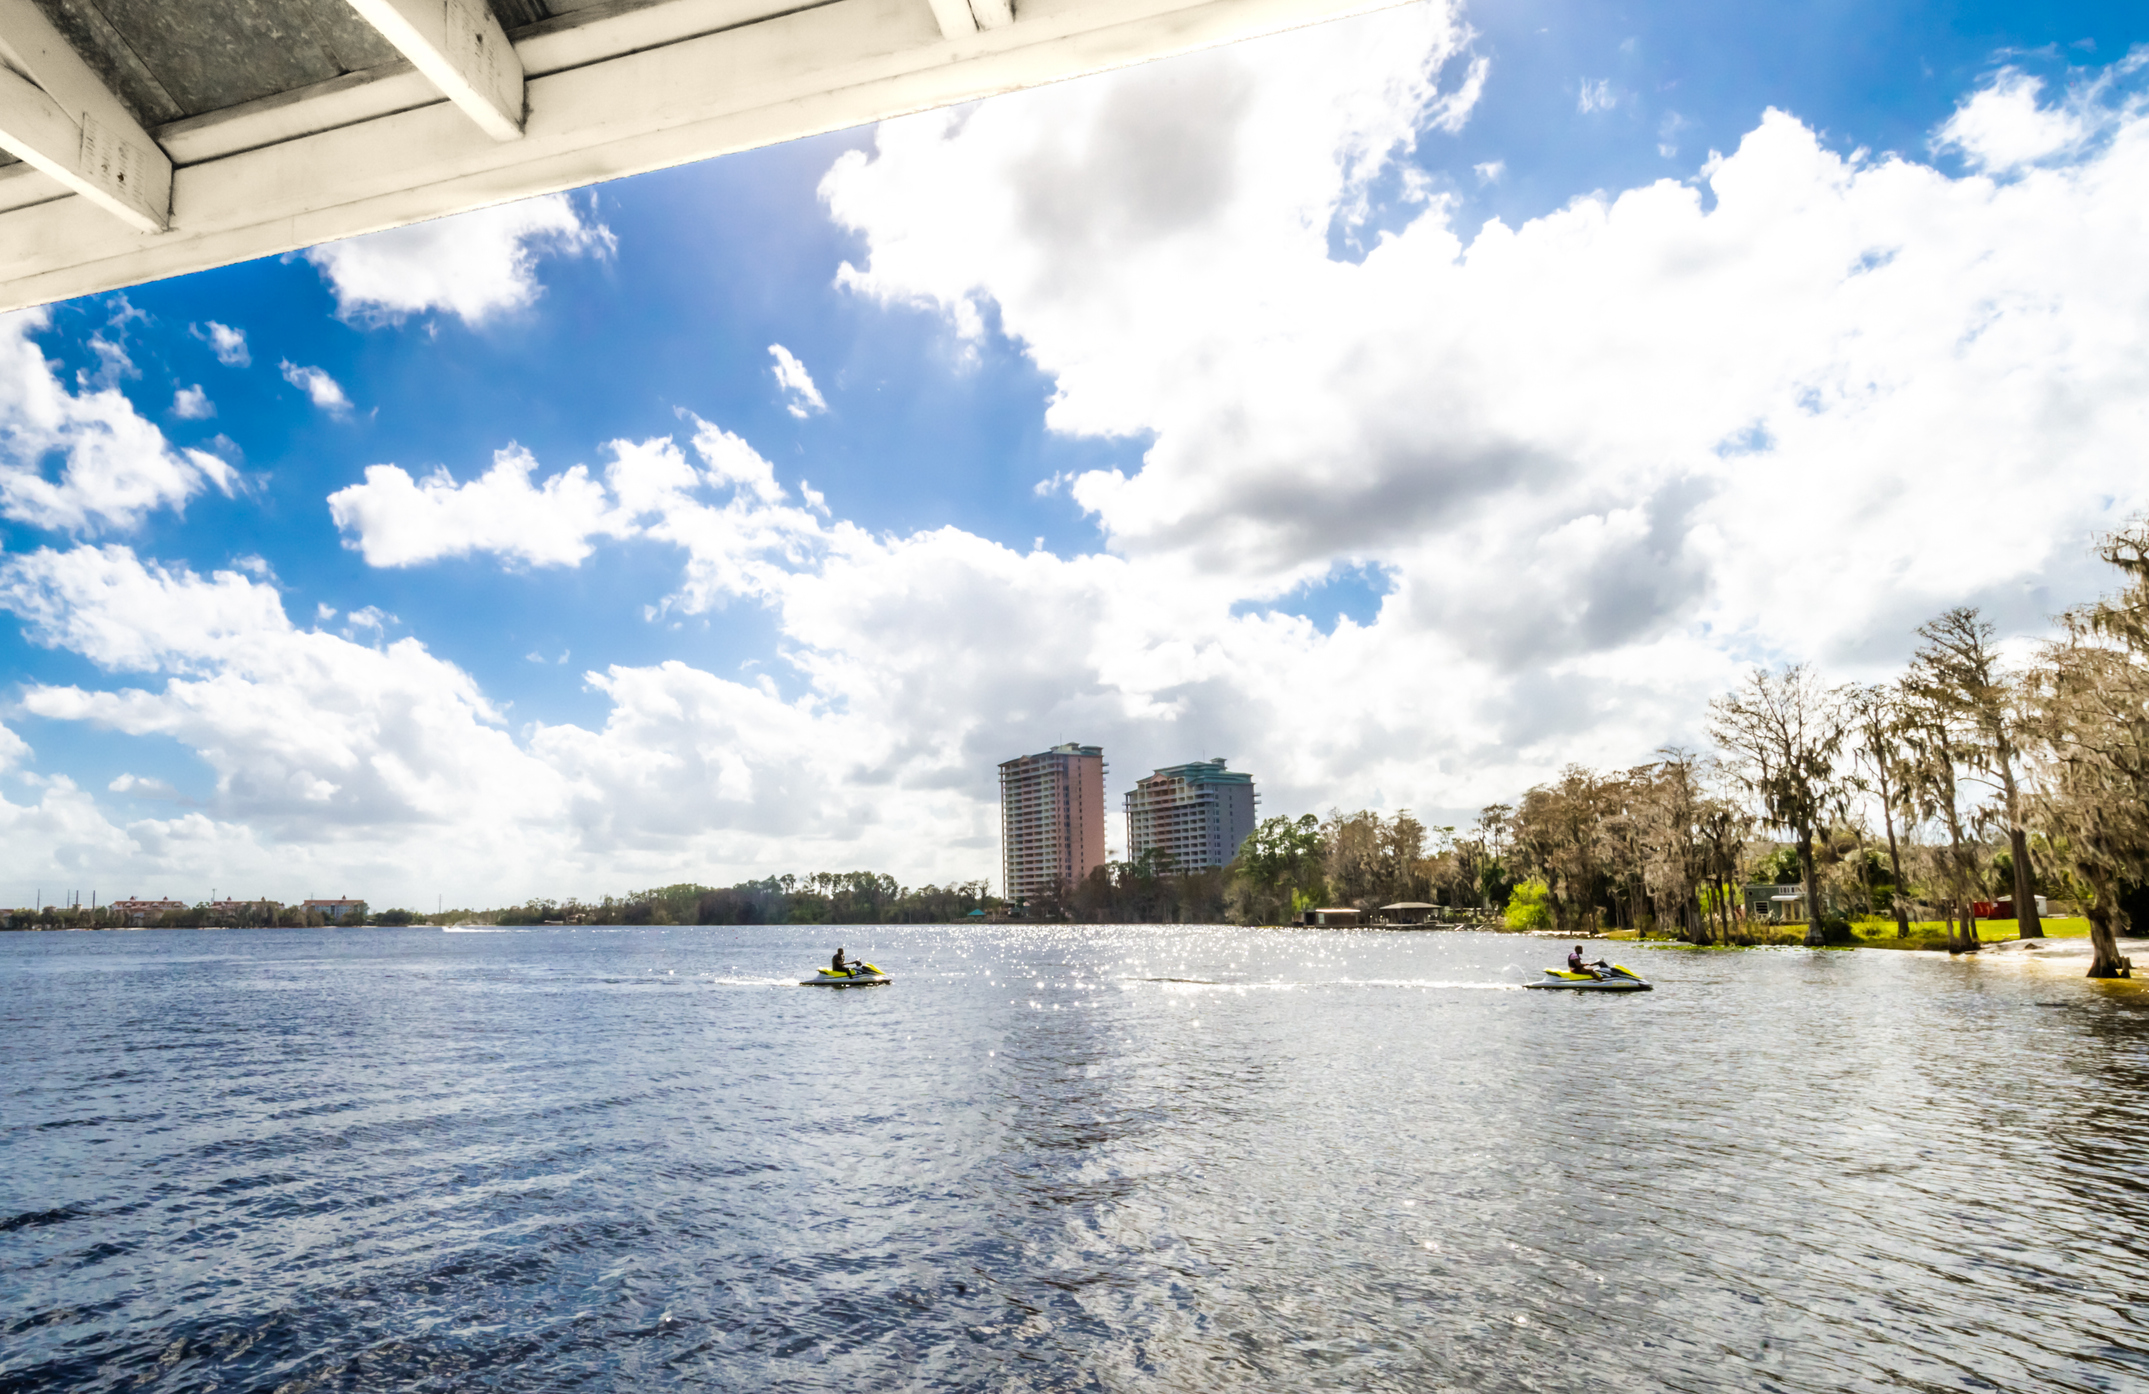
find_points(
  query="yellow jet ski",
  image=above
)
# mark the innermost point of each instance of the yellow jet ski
(1609, 977)
(860, 975)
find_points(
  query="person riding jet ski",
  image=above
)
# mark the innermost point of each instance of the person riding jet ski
(1575, 964)
(842, 966)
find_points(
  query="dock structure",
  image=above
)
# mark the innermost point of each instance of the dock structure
(151, 138)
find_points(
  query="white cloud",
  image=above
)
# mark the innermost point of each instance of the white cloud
(192, 404)
(369, 617)
(379, 765)
(114, 466)
(142, 787)
(1215, 168)
(399, 521)
(474, 265)
(307, 732)
(113, 365)
(14, 750)
(1490, 171)
(324, 391)
(227, 343)
(2003, 126)
(126, 616)
(1596, 96)
(1606, 456)
(797, 383)
(737, 545)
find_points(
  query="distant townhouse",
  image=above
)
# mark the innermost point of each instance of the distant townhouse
(1196, 813)
(136, 911)
(252, 909)
(1051, 820)
(335, 909)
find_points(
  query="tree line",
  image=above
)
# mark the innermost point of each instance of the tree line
(826, 897)
(1966, 777)
(249, 915)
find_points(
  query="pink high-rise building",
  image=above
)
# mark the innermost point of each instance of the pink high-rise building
(1051, 820)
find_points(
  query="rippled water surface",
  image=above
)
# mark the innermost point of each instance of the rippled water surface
(1057, 1159)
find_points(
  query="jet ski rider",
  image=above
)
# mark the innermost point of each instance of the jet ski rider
(1575, 964)
(841, 966)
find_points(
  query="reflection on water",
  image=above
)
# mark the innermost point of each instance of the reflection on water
(1048, 1158)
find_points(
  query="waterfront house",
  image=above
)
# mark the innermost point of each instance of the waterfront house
(135, 911)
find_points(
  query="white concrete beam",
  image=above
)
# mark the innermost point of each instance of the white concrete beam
(59, 117)
(460, 47)
(993, 14)
(953, 17)
(828, 68)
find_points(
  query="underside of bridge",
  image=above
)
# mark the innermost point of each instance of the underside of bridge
(148, 138)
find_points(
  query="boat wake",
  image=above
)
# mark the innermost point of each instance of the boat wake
(1285, 986)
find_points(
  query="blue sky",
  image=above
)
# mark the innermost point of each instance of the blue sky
(1272, 456)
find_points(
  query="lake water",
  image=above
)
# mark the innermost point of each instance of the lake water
(1100, 1159)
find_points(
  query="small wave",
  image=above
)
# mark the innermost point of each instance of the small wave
(1329, 982)
(1429, 982)
(752, 982)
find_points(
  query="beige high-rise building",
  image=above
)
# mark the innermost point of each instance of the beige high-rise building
(1051, 820)
(1197, 814)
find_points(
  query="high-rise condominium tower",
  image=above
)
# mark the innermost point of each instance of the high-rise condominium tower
(1198, 813)
(1051, 820)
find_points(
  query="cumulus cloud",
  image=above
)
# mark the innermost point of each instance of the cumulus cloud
(14, 750)
(395, 520)
(227, 343)
(474, 266)
(1606, 456)
(730, 517)
(1570, 393)
(321, 389)
(306, 731)
(2004, 126)
(113, 465)
(143, 787)
(382, 763)
(192, 404)
(129, 616)
(797, 383)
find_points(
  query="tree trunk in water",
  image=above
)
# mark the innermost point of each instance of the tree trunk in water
(2026, 921)
(2105, 919)
(1814, 936)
